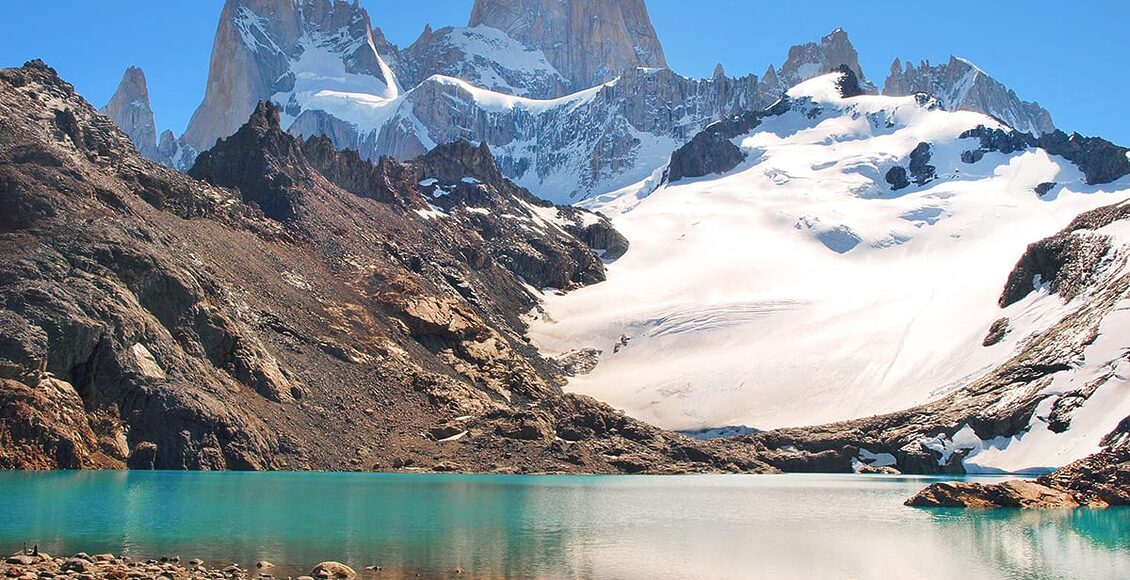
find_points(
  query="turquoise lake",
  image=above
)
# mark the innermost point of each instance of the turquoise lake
(768, 526)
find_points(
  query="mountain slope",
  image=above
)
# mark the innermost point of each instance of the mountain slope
(807, 283)
(1062, 394)
(300, 309)
(485, 57)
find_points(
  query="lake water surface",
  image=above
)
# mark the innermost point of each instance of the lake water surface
(766, 526)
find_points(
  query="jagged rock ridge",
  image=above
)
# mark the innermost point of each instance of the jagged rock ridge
(961, 86)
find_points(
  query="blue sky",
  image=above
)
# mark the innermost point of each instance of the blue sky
(1069, 56)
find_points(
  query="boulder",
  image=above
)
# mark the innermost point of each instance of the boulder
(332, 569)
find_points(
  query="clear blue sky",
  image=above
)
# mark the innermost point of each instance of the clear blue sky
(1069, 56)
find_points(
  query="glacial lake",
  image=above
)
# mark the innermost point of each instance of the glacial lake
(718, 526)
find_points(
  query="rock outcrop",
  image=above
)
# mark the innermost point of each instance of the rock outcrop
(1101, 480)
(1100, 160)
(961, 86)
(712, 150)
(280, 318)
(589, 41)
(808, 61)
(131, 111)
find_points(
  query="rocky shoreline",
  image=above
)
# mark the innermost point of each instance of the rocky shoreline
(31, 564)
(1099, 481)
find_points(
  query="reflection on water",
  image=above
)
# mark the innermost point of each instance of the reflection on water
(558, 526)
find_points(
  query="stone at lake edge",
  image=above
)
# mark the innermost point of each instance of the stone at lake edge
(1098, 481)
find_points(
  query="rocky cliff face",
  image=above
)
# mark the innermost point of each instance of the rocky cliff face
(808, 61)
(265, 48)
(272, 318)
(131, 111)
(961, 86)
(588, 41)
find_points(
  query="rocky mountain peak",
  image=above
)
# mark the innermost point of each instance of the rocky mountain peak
(458, 159)
(131, 111)
(263, 162)
(810, 60)
(961, 85)
(588, 41)
(269, 48)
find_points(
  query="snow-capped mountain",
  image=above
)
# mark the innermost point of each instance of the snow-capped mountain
(961, 86)
(805, 284)
(574, 98)
(291, 52)
(132, 113)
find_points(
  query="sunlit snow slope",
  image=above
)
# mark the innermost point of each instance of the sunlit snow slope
(799, 288)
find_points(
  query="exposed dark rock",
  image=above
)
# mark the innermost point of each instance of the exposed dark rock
(1100, 160)
(711, 151)
(997, 332)
(897, 178)
(1066, 261)
(1103, 478)
(848, 83)
(707, 153)
(995, 140)
(1042, 189)
(920, 168)
(1010, 494)
(260, 162)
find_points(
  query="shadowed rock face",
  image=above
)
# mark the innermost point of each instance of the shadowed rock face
(588, 41)
(261, 162)
(1100, 160)
(712, 151)
(151, 320)
(131, 111)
